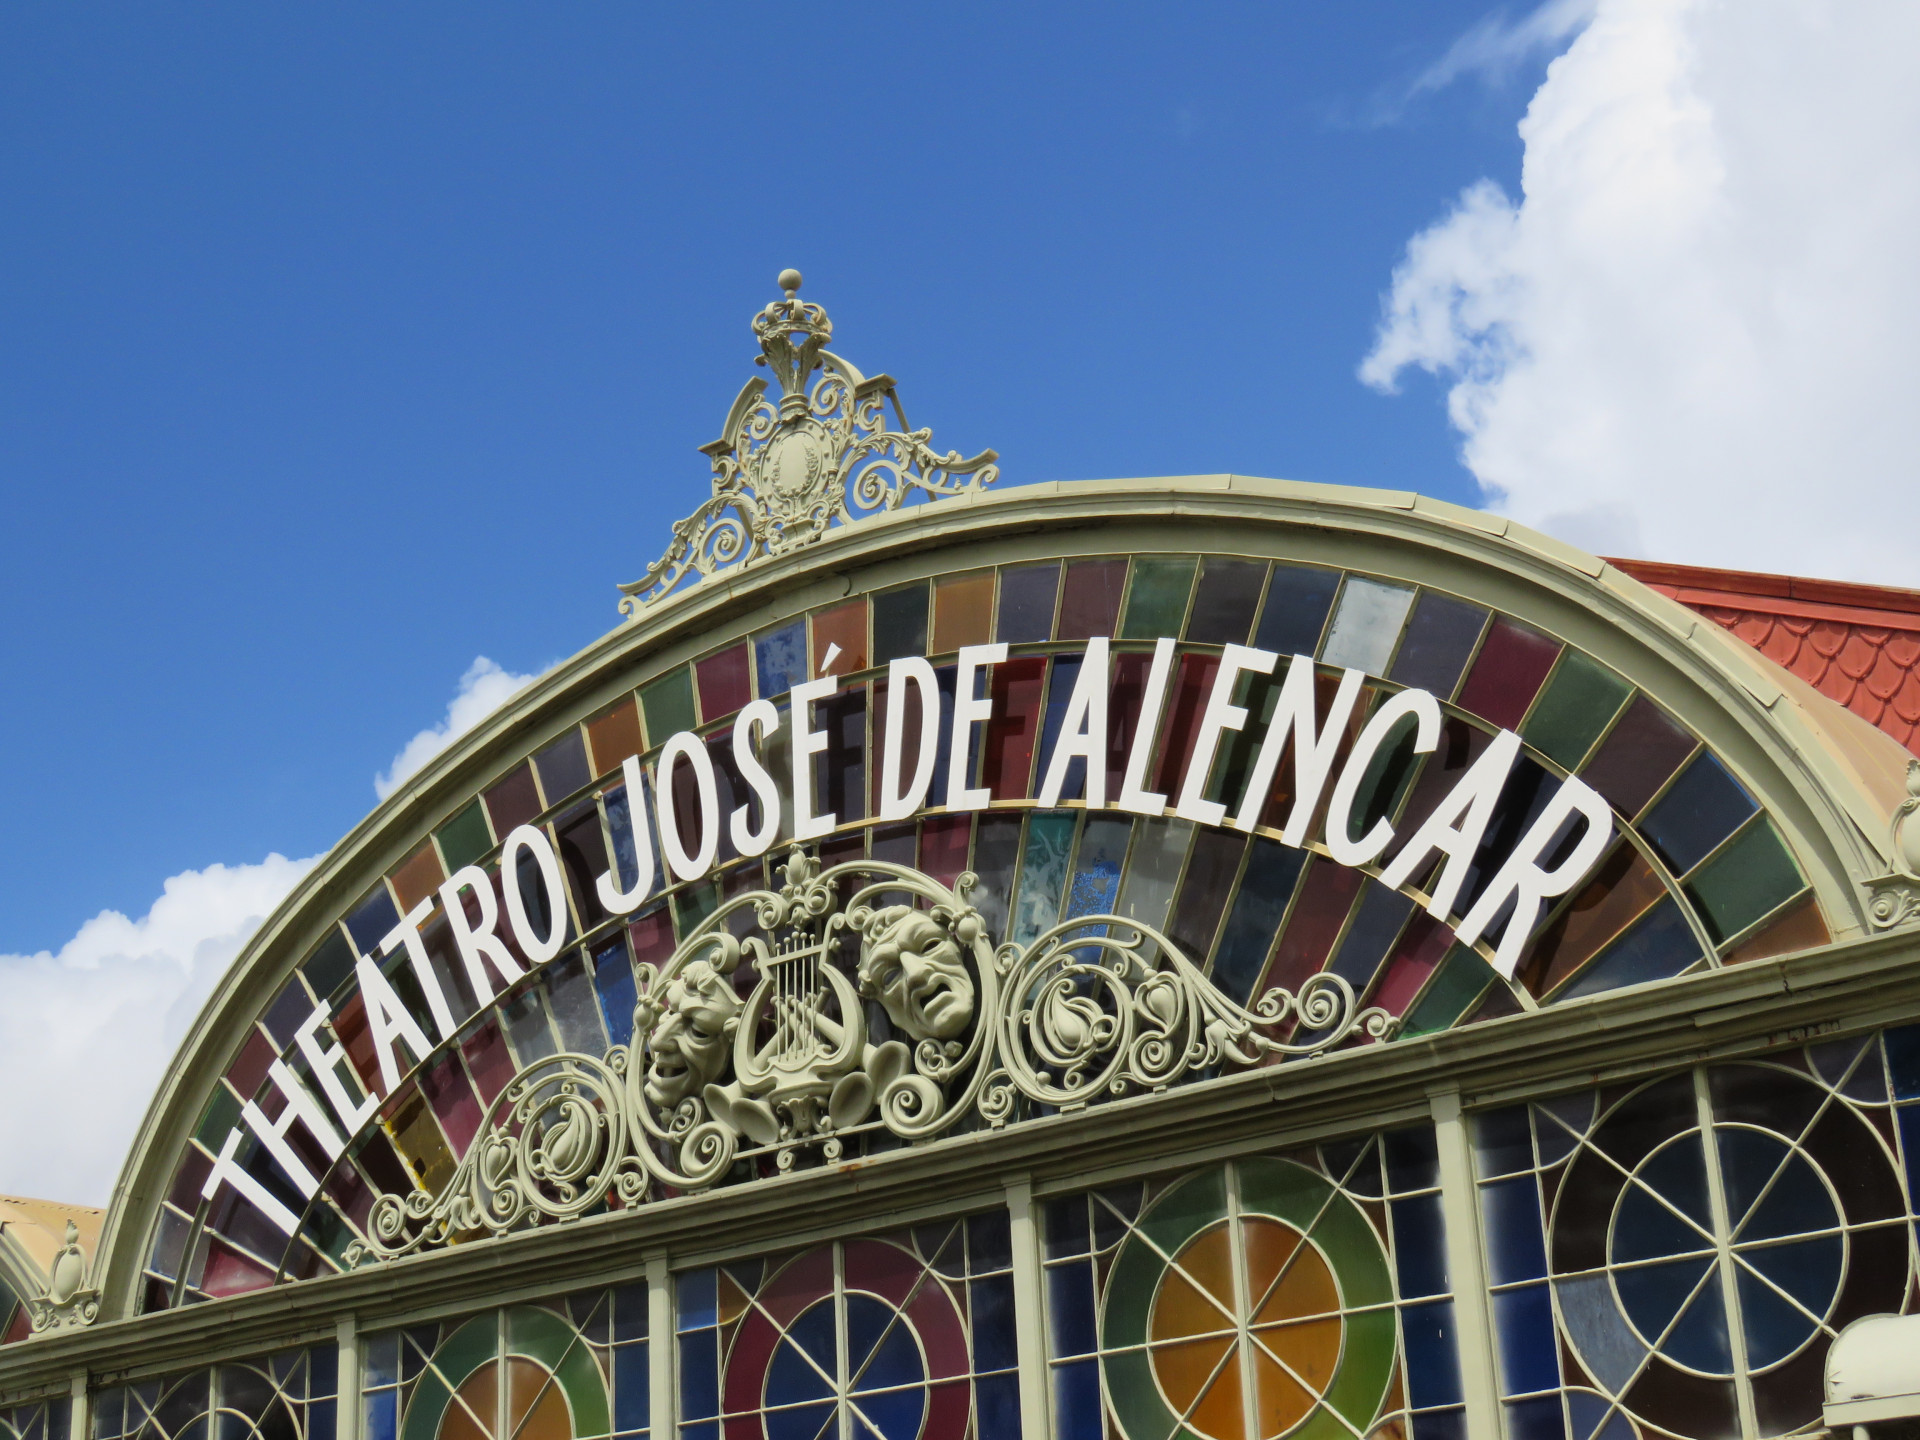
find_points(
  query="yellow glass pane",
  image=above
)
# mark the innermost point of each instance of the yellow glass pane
(1196, 1292)
(535, 1404)
(1286, 1278)
(470, 1412)
(1293, 1365)
(1201, 1379)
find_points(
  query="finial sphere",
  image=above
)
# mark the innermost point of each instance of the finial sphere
(789, 281)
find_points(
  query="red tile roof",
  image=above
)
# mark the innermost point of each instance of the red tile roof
(1857, 644)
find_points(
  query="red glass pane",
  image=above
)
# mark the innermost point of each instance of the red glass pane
(231, 1273)
(1415, 958)
(652, 936)
(1460, 745)
(1192, 684)
(724, 682)
(1123, 713)
(1621, 891)
(350, 1025)
(1007, 766)
(513, 801)
(1801, 928)
(845, 626)
(188, 1180)
(487, 1060)
(447, 1091)
(1090, 598)
(251, 1066)
(1636, 759)
(350, 1193)
(1319, 912)
(1512, 665)
(944, 840)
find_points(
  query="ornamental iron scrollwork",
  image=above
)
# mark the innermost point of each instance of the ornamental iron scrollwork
(786, 473)
(792, 1025)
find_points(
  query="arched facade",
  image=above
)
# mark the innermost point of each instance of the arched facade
(1201, 956)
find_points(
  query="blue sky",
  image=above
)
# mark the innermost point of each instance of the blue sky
(340, 345)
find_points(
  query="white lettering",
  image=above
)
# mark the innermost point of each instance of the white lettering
(1134, 795)
(1221, 716)
(1529, 885)
(807, 743)
(477, 942)
(407, 933)
(688, 863)
(387, 1020)
(1457, 825)
(226, 1171)
(1425, 710)
(909, 673)
(607, 887)
(969, 711)
(325, 1065)
(539, 949)
(1314, 747)
(1083, 730)
(757, 715)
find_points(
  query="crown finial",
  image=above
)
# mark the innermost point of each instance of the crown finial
(789, 281)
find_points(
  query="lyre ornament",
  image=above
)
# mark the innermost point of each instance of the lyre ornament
(783, 475)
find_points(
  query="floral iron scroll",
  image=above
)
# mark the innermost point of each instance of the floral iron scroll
(784, 474)
(789, 1024)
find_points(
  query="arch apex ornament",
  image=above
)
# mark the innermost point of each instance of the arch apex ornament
(792, 1024)
(785, 473)
(1895, 896)
(68, 1300)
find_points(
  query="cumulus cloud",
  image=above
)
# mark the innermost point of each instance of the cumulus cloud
(1695, 335)
(86, 1033)
(483, 689)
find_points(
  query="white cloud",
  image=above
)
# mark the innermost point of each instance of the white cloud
(483, 689)
(1695, 336)
(87, 1033)
(1496, 46)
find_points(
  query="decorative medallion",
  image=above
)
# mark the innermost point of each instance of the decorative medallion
(784, 474)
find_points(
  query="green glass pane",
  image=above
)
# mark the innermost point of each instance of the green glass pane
(1157, 599)
(1136, 1397)
(1463, 979)
(1753, 875)
(1366, 1369)
(1388, 774)
(221, 1115)
(329, 1234)
(693, 905)
(1130, 1289)
(1043, 872)
(465, 838)
(1185, 1210)
(457, 1357)
(668, 705)
(547, 1338)
(1579, 701)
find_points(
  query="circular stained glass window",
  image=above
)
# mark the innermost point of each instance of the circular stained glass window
(1703, 1252)
(1248, 1311)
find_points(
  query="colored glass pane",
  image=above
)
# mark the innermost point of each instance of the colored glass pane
(844, 627)
(944, 842)
(1700, 809)
(418, 877)
(1295, 611)
(1512, 664)
(1186, 705)
(962, 611)
(1462, 979)
(1749, 878)
(1043, 873)
(1006, 764)
(1027, 596)
(1060, 685)
(370, 920)
(1211, 872)
(513, 800)
(1157, 597)
(667, 704)
(899, 623)
(1124, 702)
(1634, 761)
(1319, 915)
(1422, 946)
(1376, 924)
(1226, 601)
(1580, 700)
(1264, 892)
(1440, 638)
(724, 682)
(780, 663)
(1153, 869)
(465, 838)
(1621, 890)
(1090, 598)
(613, 736)
(1800, 928)
(1366, 625)
(1658, 946)
(563, 767)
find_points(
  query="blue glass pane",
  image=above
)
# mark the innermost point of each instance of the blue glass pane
(382, 1365)
(1653, 1295)
(620, 822)
(1096, 870)
(1558, 1125)
(1515, 1249)
(1265, 889)
(781, 659)
(1420, 1246)
(709, 1431)
(1797, 1203)
(895, 1359)
(322, 1367)
(630, 1304)
(380, 1415)
(699, 1375)
(893, 1415)
(808, 1422)
(320, 1415)
(1590, 1410)
(698, 1304)
(1412, 1161)
(992, 1314)
(997, 1406)
(1112, 1209)
(371, 919)
(1524, 1321)
(1665, 1212)
(793, 1377)
(1066, 1228)
(1774, 1326)
(1298, 598)
(1536, 1420)
(1903, 1060)
(1066, 674)
(989, 1243)
(1433, 1361)
(1808, 1270)
(1659, 945)
(1704, 806)
(1076, 1402)
(1502, 1142)
(630, 1387)
(1441, 1425)
(1070, 1308)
